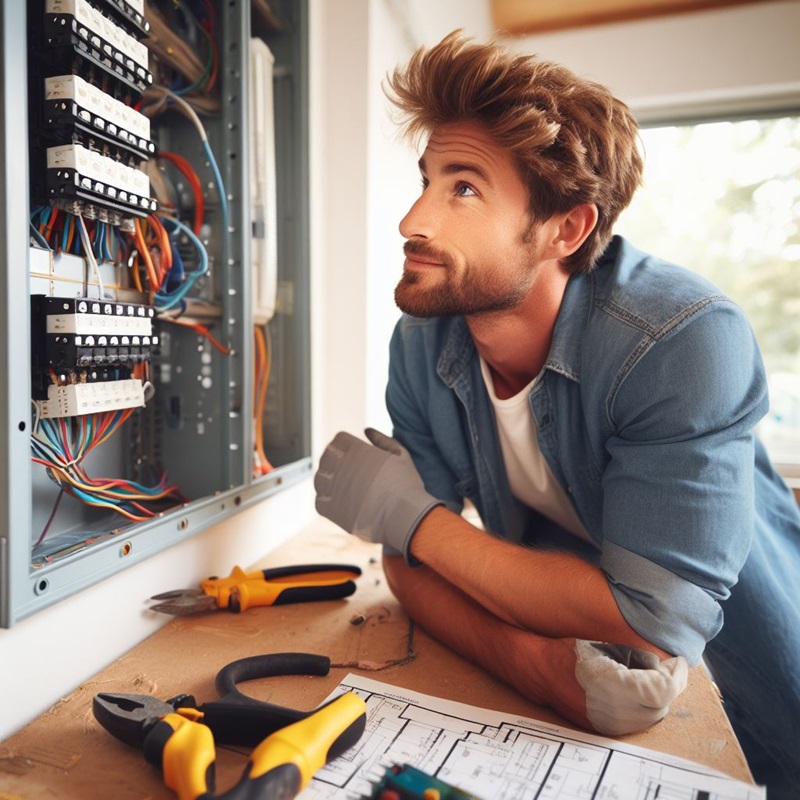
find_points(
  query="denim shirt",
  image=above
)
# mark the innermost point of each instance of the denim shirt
(645, 415)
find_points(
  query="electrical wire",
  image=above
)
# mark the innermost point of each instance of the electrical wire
(58, 233)
(202, 330)
(61, 444)
(50, 519)
(163, 96)
(39, 238)
(167, 299)
(89, 253)
(262, 367)
(176, 38)
(144, 253)
(194, 182)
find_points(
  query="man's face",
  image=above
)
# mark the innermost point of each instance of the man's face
(470, 245)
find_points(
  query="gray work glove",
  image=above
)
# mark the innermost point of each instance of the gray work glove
(627, 689)
(372, 490)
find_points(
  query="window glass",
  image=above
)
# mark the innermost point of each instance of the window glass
(723, 198)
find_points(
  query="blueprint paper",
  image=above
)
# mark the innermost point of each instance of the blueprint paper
(500, 756)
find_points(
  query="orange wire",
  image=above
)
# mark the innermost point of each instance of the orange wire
(203, 331)
(161, 241)
(70, 233)
(137, 278)
(144, 252)
(194, 181)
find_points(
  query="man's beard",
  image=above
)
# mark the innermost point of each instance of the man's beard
(476, 290)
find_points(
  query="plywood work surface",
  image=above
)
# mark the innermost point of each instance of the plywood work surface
(66, 754)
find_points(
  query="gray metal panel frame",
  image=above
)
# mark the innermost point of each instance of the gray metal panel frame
(24, 590)
(15, 465)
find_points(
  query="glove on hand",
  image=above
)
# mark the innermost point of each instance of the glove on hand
(627, 689)
(372, 490)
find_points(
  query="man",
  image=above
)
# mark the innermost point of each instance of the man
(596, 406)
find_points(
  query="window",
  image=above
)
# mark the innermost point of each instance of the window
(723, 198)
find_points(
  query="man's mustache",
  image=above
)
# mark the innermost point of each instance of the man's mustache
(427, 251)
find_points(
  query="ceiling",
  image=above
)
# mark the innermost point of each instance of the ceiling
(536, 16)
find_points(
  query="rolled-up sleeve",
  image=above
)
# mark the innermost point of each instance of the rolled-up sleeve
(678, 489)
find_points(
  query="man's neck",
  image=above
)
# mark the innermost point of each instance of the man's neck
(515, 343)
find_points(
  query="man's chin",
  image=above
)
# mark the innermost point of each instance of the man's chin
(426, 295)
(414, 300)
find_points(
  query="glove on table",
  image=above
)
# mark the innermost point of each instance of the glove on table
(372, 490)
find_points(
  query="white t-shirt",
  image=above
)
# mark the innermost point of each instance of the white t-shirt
(530, 477)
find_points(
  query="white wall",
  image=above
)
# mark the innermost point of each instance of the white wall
(698, 63)
(339, 200)
(363, 180)
(393, 180)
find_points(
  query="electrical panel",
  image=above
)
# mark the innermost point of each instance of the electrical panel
(154, 226)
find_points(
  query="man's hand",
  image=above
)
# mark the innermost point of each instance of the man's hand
(372, 490)
(627, 689)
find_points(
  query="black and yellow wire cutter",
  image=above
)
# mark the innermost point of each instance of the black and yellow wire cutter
(265, 587)
(178, 736)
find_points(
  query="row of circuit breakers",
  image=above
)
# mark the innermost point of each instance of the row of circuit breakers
(88, 67)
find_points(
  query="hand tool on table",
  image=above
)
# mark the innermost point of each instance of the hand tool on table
(265, 587)
(178, 735)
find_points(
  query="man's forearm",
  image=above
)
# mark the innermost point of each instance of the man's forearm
(542, 669)
(614, 690)
(550, 593)
(374, 491)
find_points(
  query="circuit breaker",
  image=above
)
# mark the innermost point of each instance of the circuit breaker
(161, 166)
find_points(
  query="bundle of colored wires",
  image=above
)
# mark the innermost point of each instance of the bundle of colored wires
(62, 232)
(263, 364)
(158, 258)
(167, 296)
(152, 255)
(61, 444)
(182, 38)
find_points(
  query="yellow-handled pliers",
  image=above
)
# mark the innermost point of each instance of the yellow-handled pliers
(178, 736)
(266, 587)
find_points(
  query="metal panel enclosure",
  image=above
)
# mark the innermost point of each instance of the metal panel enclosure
(200, 424)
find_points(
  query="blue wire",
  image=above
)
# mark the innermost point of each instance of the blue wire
(94, 501)
(167, 300)
(223, 198)
(39, 238)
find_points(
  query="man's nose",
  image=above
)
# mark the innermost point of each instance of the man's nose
(419, 220)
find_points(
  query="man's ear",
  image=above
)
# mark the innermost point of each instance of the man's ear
(568, 231)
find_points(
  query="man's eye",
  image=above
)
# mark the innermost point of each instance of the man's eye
(424, 182)
(464, 190)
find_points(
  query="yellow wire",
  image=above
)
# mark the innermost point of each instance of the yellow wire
(261, 384)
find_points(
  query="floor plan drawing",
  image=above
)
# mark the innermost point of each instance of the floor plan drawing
(496, 756)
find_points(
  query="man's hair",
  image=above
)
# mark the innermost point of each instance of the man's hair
(573, 141)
